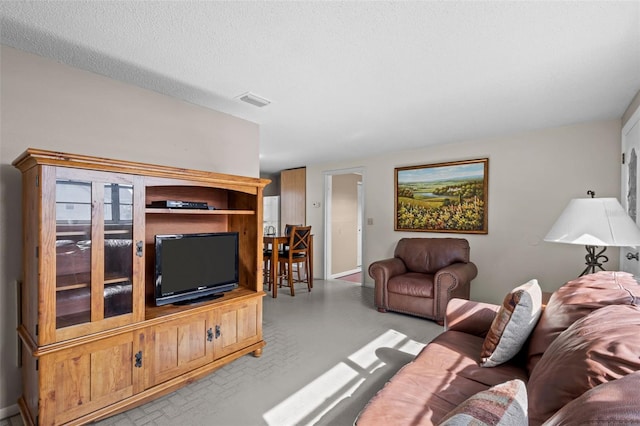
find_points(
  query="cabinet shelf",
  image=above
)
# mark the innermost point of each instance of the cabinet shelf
(176, 311)
(65, 287)
(196, 211)
(83, 280)
(79, 233)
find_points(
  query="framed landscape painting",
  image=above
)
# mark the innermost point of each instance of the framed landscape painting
(443, 197)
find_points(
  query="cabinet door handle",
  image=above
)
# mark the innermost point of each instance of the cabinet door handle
(631, 256)
(209, 335)
(139, 245)
(218, 333)
(139, 359)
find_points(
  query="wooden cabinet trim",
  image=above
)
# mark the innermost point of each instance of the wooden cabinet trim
(33, 156)
(164, 314)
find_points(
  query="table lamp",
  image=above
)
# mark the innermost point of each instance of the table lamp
(595, 222)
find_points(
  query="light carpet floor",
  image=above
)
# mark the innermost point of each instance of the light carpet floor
(328, 352)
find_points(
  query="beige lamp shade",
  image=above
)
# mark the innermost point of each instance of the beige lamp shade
(595, 222)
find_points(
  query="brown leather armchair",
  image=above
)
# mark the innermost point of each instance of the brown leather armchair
(423, 275)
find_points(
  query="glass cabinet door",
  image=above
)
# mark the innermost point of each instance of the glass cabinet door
(94, 251)
(118, 249)
(73, 253)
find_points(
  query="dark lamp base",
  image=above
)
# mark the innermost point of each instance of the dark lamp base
(594, 260)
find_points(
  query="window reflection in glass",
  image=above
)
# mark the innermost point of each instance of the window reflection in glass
(73, 202)
(73, 253)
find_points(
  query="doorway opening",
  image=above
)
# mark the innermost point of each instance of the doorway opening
(344, 212)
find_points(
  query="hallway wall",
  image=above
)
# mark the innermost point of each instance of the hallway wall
(344, 222)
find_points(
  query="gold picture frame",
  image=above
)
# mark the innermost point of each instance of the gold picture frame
(444, 197)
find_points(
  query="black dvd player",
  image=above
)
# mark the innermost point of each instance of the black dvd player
(175, 204)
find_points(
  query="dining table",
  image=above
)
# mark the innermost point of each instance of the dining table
(276, 241)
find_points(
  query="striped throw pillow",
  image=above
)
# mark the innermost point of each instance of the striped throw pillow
(501, 405)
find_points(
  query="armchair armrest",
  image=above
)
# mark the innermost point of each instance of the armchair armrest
(382, 271)
(385, 269)
(469, 316)
(453, 281)
(463, 272)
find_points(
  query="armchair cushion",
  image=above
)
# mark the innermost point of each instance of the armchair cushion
(412, 284)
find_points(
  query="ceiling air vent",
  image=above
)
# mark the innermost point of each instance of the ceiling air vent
(253, 99)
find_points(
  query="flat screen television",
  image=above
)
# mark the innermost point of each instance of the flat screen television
(194, 267)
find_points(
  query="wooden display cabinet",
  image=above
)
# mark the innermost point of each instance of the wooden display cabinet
(95, 343)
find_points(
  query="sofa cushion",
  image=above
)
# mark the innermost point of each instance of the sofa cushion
(429, 255)
(512, 326)
(442, 376)
(614, 402)
(602, 346)
(459, 353)
(504, 404)
(470, 316)
(576, 299)
(412, 284)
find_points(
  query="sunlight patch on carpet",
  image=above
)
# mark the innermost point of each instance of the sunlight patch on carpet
(309, 404)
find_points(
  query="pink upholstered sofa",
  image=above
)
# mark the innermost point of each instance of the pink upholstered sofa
(580, 363)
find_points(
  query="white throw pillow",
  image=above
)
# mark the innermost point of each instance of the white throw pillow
(512, 325)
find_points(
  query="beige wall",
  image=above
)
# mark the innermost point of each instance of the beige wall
(532, 177)
(45, 104)
(344, 222)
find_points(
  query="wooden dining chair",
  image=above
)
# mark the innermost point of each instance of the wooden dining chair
(289, 227)
(267, 253)
(287, 231)
(297, 253)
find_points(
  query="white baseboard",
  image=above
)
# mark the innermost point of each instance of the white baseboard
(9, 411)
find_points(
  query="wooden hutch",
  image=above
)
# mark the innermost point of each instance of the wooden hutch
(94, 343)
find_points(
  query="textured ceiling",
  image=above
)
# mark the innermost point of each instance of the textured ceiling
(354, 79)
